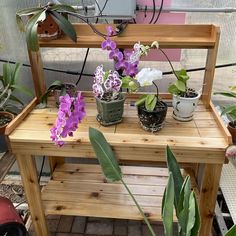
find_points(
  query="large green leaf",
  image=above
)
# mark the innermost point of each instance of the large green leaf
(191, 215)
(105, 155)
(31, 30)
(232, 231)
(141, 100)
(168, 206)
(180, 85)
(151, 101)
(174, 168)
(196, 227)
(173, 89)
(25, 12)
(183, 206)
(64, 25)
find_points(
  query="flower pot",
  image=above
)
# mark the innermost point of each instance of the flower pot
(232, 130)
(152, 121)
(110, 112)
(5, 118)
(70, 89)
(48, 29)
(184, 107)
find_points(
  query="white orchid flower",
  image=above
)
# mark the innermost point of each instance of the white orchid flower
(147, 75)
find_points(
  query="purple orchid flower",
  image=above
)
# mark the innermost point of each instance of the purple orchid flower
(116, 55)
(108, 44)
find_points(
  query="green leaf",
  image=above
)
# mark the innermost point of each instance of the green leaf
(6, 74)
(141, 100)
(173, 89)
(226, 94)
(16, 72)
(191, 215)
(105, 155)
(228, 109)
(31, 30)
(196, 227)
(64, 25)
(150, 102)
(22, 89)
(232, 231)
(63, 8)
(173, 167)
(25, 12)
(168, 206)
(183, 205)
(180, 85)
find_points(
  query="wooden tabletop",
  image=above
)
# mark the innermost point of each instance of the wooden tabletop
(199, 140)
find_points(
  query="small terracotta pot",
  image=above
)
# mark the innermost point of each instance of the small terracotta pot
(48, 29)
(232, 130)
(7, 115)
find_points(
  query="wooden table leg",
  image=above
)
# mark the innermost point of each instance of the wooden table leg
(208, 194)
(32, 190)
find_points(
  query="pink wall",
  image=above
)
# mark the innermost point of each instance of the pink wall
(165, 18)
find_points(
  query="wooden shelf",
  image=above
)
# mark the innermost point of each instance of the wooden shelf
(168, 36)
(88, 190)
(190, 140)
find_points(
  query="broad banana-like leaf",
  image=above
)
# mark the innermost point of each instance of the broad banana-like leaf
(168, 206)
(191, 215)
(228, 109)
(105, 155)
(64, 25)
(175, 170)
(232, 231)
(196, 227)
(183, 205)
(31, 30)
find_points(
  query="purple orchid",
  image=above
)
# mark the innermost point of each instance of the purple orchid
(98, 90)
(116, 55)
(108, 44)
(71, 113)
(113, 82)
(110, 31)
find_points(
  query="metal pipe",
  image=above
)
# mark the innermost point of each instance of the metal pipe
(171, 9)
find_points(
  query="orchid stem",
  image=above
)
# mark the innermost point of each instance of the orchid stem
(156, 88)
(173, 70)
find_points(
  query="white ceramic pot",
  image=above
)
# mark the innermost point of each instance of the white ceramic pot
(184, 107)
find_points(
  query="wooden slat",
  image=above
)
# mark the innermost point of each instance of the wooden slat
(168, 36)
(96, 210)
(14, 123)
(6, 163)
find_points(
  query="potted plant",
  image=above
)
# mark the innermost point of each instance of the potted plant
(45, 22)
(185, 99)
(59, 89)
(9, 103)
(230, 111)
(151, 110)
(109, 99)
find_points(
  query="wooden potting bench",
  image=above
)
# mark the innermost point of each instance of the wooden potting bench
(80, 189)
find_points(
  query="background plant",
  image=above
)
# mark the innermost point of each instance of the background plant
(178, 193)
(8, 85)
(230, 110)
(39, 14)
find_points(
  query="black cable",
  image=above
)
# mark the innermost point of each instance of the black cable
(160, 11)
(41, 169)
(153, 12)
(85, 74)
(83, 66)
